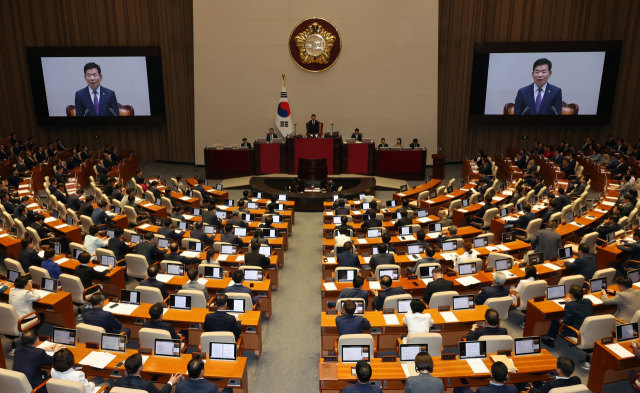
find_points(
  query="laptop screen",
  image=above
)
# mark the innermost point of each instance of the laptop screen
(129, 297)
(107, 260)
(134, 239)
(55, 213)
(228, 249)
(504, 264)
(536, 258)
(265, 250)
(564, 253)
(480, 242)
(406, 230)
(213, 272)
(570, 217)
(465, 202)
(374, 233)
(465, 302)
(555, 292)
(337, 220)
(195, 246)
(503, 212)
(280, 207)
(467, 268)
(346, 275)
(414, 248)
(229, 202)
(252, 206)
(182, 225)
(113, 342)
(426, 271)
(526, 345)
(240, 232)
(393, 273)
(253, 274)
(167, 347)
(269, 233)
(508, 237)
(49, 285)
(404, 306)
(223, 351)
(221, 215)
(450, 245)
(355, 353)
(627, 331)
(209, 229)
(180, 302)
(276, 219)
(257, 194)
(359, 306)
(392, 203)
(473, 349)
(408, 352)
(634, 275)
(611, 238)
(111, 233)
(12, 275)
(598, 284)
(435, 227)
(219, 187)
(175, 269)
(247, 216)
(64, 336)
(236, 305)
(282, 197)
(422, 213)
(163, 243)
(70, 220)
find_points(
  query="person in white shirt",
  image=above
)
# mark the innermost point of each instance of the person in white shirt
(92, 242)
(368, 198)
(22, 297)
(341, 239)
(469, 253)
(530, 274)
(416, 321)
(62, 368)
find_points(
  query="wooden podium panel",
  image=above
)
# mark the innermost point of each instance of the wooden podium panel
(224, 164)
(401, 164)
(328, 148)
(357, 158)
(270, 158)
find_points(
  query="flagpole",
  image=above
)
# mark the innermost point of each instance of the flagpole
(282, 79)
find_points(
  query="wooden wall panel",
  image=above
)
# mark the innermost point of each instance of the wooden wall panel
(463, 22)
(165, 23)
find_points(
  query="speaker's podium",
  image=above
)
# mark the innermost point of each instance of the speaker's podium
(312, 169)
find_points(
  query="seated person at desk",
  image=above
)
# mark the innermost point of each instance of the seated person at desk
(209, 216)
(96, 316)
(133, 380)
(626, 298)
(99, 216)
(22, 297)
(585, 264)
(347, 258)
(155, 312)
(150, 281)
(236, 220)
(398, 143)
(86, 209)
(29, 359)
(245, 144)
(357, 135)
(415, 143)
(355, 292)
(193, 283)
(387, 290)
(313, 127)
(118, 245)
(517, 195)
(530, 274)
(547, 241)
(206, 198)
(363, 373)
(271, 207)
(341, 197)
(545, 217)
(368, 198)
(564, 369)
(416, 320)
(237, 287)
(342, 238)
(73, 202)
(268, 222)
(372, 222)
(562, 199)
(430, 251)
(386, 239)
(241, 207)
(383, 143)
(43, 233)
(499, 373)
(229, 237)
(524, 220)
(403, 221)
(453, 234)
(174, 255)
(196, 381)
(53, 268)
(634, 253)
(584, 179)
(347, 323)
(468, 253)
(575, 311)
(342, 210)
(198, 233)
(63, 368)
(628, 204)
(254, 258)
(420, 235)
(271, 135)
(444, 221)
(28, 256)
(497, 289)
(220, 321)
(424, 381)
(92, 242)
(383, 257)
(344, 226)
(483, 187)
(177, 211)
(608, 226)
(480, 213)
(491, 328)
(14, 179)
(330, 186)
(167, 231)
(86, 273)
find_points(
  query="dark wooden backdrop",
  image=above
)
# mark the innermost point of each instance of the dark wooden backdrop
(166, 23)
(463, 22)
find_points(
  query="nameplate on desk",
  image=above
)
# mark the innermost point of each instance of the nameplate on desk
(145, 351)
(44, 338)
(412, 276)
(402, 253)
(607, 340)
(332, 312)
(330, 358)
(91, 345)
(522, 264)
(538, 299)
(505, 352)
(377, 330)
(448, 356)
(488, 270)
(251, 329)
(388, 311)
(329, 279)
(444, 308)
(388, 359)
(372, 278)
(452, 273)
(199, 355)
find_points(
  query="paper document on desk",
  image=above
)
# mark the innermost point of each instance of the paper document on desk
(448, 316)
(391, 319)
(362, 241)
(329, 286)
(222, 257)
(464, 189)
(466, 281)
(400, 194)
(100, 268)
(329, 213)
(405, 238)
(41, 253)
(42, 293)
(374, 285)
(367, 259)
(426, 281)
(637, 285)
(49, 219)
(46, 344)
(184, 198)
(405, 369)
(509, 218)
(97, 359)
(356, 212)
(190, 254)
(331, 260)
(450, 196)
(560, 302)
(593, 299)
(433, 235)
(507, 362)
(477, 366)
(492, 248)
(507, 192)
(601, 211)
(463, 210)
(620, 350)
(590, 217)
(121, 308)
(165, 278)
(502, 247)
(495, 198)
(6, 234)
(187, 216)
(576, 224)
(144, 226)
(449, 256)
(32, 205)
(61, 226)
(203, 281)
(61, 260)
(607, 203)
(551, 266)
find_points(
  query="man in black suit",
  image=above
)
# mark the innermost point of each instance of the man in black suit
(497, 289)
(155, 312)
(28, 255)
(148, 249)
(271, 135)
(414, 144)
(39, 156)
(610, 225)
(73, 202)
(237, 287)
(86, 273)
(313, 127)
(86, 209)
(60, 176)
(521, 160)
(133, 380)
(347, 258)
(383, 257)
(621, 169)
(118, 245)
(74, 161)
(220, 321)
(154, 190)
(242, 203)
(342, 210)
(387, 290)
(196, 381)
(383, 143)
(198, 233)
(499, 373)
(229, 237)
(209, 216)
(96, 316)
(174, 255)
(372, 222)
(561, 199)
(22, 216)
(351, 293)
(29, 359)
(254, 258)
(357, 135)
(236, 220)
(150, 281)
(439, 284)
(268, 222)
(14, 179)
(245, 144)
(137, 176)
(348, 323)
(331, 186)
(575, 312)
(585, 264)
(60, 194)
(430, 251)
(403, 221)
(480, 213)
(564, 369)
(38, 225)
(492, 328)
(167, 231)
(545, 217)
(620, 146)
(344, 226)
(485, 168)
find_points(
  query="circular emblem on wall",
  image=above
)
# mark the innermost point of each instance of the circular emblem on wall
(315, 44)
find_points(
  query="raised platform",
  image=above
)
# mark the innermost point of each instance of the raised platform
(310, 201)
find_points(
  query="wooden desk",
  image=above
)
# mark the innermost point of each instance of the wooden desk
(220, 372)
(391, 376)
(113, 282)
(57, 308)
(357, 158)
(540, 314)
(415, 288)
(193, 321)
(607, 367)
(288, 216)
(270, 158)
(328, 228)
(228, 163)
(219, 195)
(401, 164)
(443, 201)
(413, 192)
(9, 245)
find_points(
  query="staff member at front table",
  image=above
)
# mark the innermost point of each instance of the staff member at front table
(313, 127)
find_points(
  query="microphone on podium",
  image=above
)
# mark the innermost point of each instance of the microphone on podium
(112, 112)
(85, 112)
(525, 111)
(553, 108)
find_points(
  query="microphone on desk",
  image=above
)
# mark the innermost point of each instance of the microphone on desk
(524, 111)
(112, 112)
(85, 112)
(553, 108)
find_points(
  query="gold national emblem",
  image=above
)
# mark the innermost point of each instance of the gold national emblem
(315, 44)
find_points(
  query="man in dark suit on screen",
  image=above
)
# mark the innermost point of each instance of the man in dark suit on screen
(95, 100)
(313, 127)
(540, 97)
